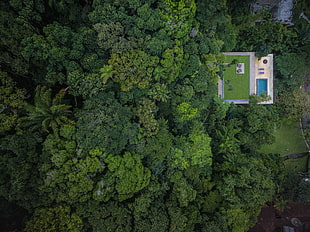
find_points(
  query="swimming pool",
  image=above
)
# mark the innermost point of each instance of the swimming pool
(261, 86)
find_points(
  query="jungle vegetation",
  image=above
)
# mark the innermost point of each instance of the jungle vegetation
(110, 119)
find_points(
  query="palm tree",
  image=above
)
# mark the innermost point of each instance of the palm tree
(106, 72)
(47, 112)
(280, 204)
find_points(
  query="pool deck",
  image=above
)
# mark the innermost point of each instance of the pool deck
(258, 70)
(267, 74)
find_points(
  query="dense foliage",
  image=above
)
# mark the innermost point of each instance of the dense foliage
(110, 120)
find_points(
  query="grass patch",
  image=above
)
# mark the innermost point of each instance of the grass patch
(237, 86)
(289, 140)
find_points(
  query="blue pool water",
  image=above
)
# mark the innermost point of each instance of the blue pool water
(261, 86)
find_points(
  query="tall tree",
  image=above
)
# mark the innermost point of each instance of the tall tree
(60, 218)
(103, 122)
(20, 177)
(47, 112)
(268, 37)
(134, 68)
(295, 104)
(11, 102)
(126, 176)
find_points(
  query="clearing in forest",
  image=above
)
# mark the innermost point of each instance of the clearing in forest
(245, 74)
(289, 140)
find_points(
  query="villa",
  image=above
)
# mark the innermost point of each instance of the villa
(245, 75)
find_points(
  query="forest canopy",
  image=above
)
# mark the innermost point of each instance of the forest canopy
(110, 118)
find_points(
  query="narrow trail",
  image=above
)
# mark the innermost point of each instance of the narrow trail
(296, 156)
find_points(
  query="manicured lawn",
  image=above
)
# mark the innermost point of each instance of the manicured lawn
(289, 140)
(237, 86)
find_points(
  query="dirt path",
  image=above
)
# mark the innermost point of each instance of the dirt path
(271, 220)
(296, 156)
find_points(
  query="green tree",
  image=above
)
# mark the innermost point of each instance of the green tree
(178, 17)
(183, 218)
(138, 18)
(149, 210)
(186, 111)
(182, 190)
(245, 180)
(159, 92)
(61, 50)
(154, 219)
(14, 28)
(178, 221)
(292, 68)
(241, 13)
(68, 11)
(192, 150)
(268, 37)
(105, 73)
(304, 192)
(111, 37)
(239, 219)
(227, 136)
(158, 43)
(19, 174)
(157, 148)
(68, 177)
(86, 84)
(215, 223)
(134, 68)
(148, 18)
(11, 102)
(258, 123)
(104, 122)
(295, 104)
(214, 18)
(29, 12)
(55, 219)
(59, 148)
(145, 112)
(126, 176)
(107, 216)
(171, 63)
(47, 112)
